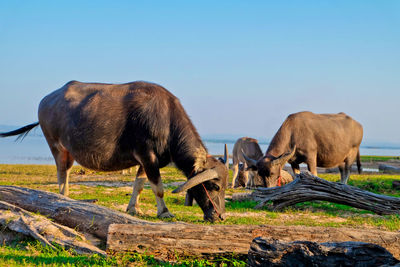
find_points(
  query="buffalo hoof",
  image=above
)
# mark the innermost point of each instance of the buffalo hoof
(134, 211)
(165, 214)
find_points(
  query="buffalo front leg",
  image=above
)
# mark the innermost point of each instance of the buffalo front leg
(153, 174)
(138, 185)
(235, 168)
(250, 179)
(158, 190)
(312, 165)
(188, 199)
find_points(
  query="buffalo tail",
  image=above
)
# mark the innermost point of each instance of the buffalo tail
(22, 132)
(359, 162)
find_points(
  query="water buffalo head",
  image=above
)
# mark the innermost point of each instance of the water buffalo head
(269, 167)
(207, 187)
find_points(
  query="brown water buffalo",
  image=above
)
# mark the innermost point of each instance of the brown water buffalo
(323, 140)
(252, 150)
(110, 127)
(258, 181)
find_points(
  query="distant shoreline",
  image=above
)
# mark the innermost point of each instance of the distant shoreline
(34, 149)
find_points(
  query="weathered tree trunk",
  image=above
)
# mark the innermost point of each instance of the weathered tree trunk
(47, 232)
(80, 215)
(396, 184)
(172, 239)
(168, 238)
(269, 252)
(307, 187)
(388, 168)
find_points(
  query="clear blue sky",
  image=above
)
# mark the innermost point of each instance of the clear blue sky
(239, 67)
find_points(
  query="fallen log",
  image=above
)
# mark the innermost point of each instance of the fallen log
(169, 240)
(269, 252)
(396, 184)
(307, 187)
(15, 219)
(388, 168)
(85, 217)
(164, 238)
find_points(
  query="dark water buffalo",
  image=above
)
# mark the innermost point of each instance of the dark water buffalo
(323, 140)
(111, 127)
(189, 198)
(252, 150)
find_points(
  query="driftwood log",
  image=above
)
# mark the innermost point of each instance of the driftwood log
(15, 219)
(307, 187)
(83, 216)
(269, 252)
(171, 239)
(396, 184)
(388, 168)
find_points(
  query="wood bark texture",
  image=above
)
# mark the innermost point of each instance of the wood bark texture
(170, 239)
(127, 233)
(396, 184)
(85, 217)
(47, 232)
(269, 252)
(307, 187)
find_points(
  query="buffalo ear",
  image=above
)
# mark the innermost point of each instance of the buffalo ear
(281, 160)
(251, 163)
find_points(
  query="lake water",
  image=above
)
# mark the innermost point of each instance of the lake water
(34, 150)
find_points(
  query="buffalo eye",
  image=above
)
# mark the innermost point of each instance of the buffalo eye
(213, 187)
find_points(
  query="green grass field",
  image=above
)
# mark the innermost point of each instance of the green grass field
(112, 190)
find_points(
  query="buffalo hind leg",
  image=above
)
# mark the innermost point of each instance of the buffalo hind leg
(295, 168)
(344, 173)
(351, 157)
(138, 184)
(250, 179)
(64, 162)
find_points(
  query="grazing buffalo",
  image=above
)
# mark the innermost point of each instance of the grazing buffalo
(110, 127)
(323, 140)
(225, 161)
(250, 147)
(257, 180)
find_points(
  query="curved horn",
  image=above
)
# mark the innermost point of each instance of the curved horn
(251, 162)
(281, 160)
(198, 179)
(226, 156)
